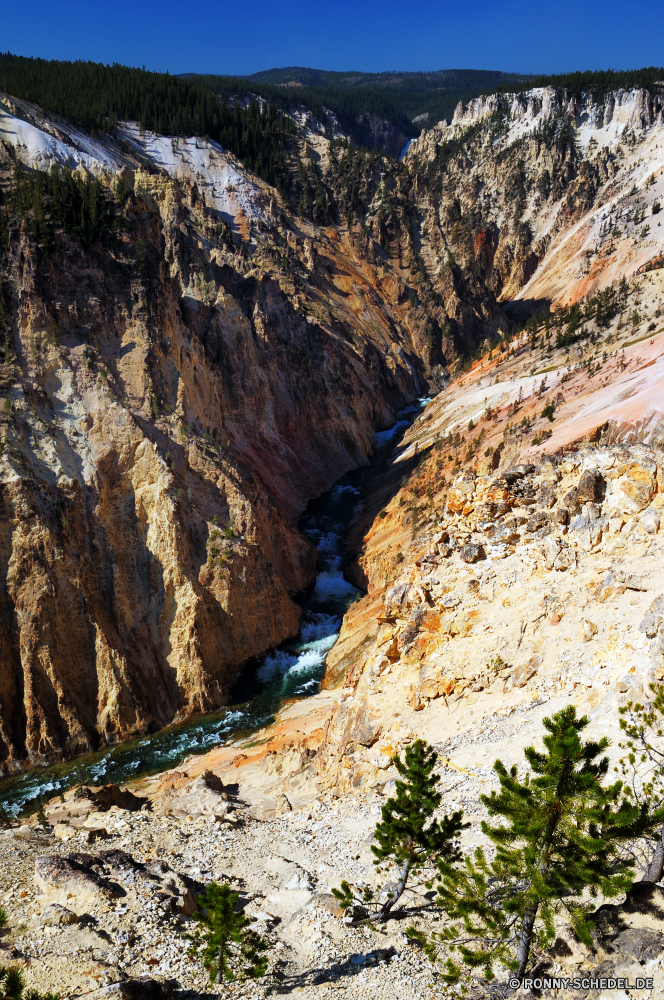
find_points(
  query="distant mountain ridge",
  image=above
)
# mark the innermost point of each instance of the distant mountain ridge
(406, 100)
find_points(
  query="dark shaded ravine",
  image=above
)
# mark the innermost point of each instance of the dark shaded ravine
(292, 670)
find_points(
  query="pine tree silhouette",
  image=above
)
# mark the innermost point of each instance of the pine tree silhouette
(12, 987)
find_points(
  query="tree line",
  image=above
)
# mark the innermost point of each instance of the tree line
(58, 198)
(599, 83)
(97, 97)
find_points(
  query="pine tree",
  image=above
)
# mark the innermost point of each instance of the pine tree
(643, 767)
(228, 947)
(563, 833)
(12, 986)
(407, 835)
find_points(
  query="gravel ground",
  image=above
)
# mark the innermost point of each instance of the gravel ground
(284, 870)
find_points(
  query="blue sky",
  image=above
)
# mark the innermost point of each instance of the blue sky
(231, 36)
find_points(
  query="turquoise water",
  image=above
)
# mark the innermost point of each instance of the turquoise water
(293, 670)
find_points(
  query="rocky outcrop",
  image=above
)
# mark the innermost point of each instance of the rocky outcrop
(205, 795)
(73, 883)
(143, 988)
(627, 945)
(104, 798)
(81, 882)
(441, 633)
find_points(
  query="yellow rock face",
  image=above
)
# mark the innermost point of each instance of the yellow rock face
(169, 414)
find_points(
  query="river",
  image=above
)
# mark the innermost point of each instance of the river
(292, 670)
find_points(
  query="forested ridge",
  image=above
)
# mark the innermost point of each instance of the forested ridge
(59, 199)
(245, 115)
(96, 97)
(597, 82)
(346, 104)
(398, 97)
(368, 191)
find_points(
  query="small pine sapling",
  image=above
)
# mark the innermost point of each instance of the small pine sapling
(563, 835)
(224, 941)
(11, 983)
(12, 986)
(407, 836)
(643, 769)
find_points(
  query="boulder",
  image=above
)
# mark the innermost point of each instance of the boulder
(71, 881)
(63, 831)
(561, 515)
(282, 805)
(144, 988)
(177, 890)
(638, 943)
(643, 907)
(55, 915)
(609, 588)
(431, 683)
(649, 521)
(363, 729)
(516, 472)
(472, 552)
(634, 488)
(112, 795)
(591, 487)
(540, 519)
(628, 940)
(522, 674)
(204, 795)
(460, 492)
(588, 630)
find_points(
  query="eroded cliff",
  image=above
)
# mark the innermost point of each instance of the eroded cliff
(175, 387)
(186, 362)
(548, 196)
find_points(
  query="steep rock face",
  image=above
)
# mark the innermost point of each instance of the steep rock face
(511, 554)
(565, 193)
(374, 132)
(177, 387)
(174, 393)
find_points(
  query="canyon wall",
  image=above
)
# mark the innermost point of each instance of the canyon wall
(179, 382)
(174, 391)
(548, 197)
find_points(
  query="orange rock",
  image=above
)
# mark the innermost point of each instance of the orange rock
(638, 482)
(432, 621)
(456, 501)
